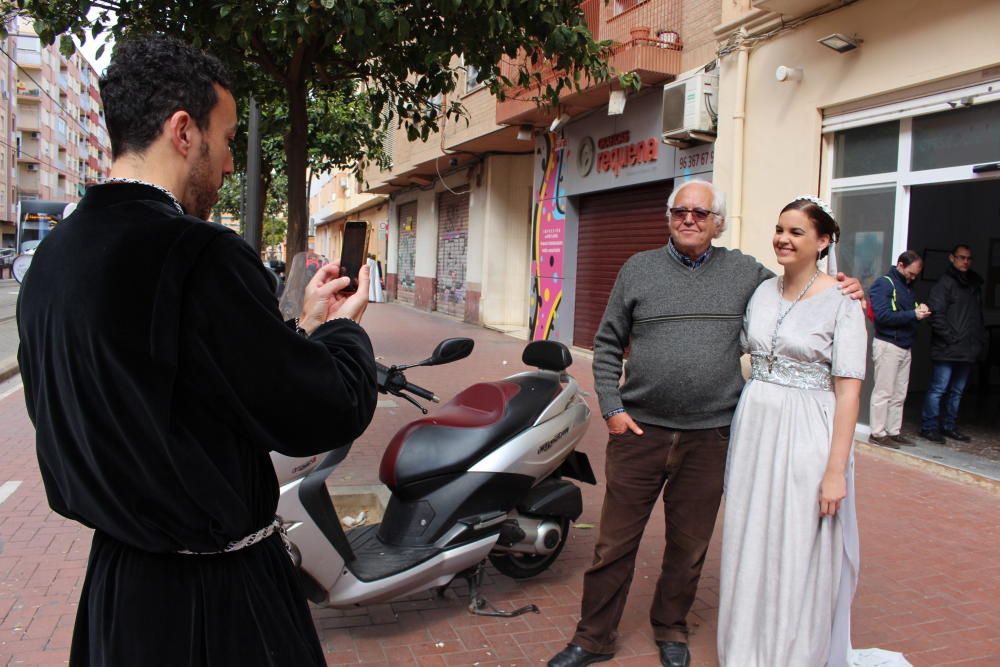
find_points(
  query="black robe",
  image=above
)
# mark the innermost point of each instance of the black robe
(159, 375)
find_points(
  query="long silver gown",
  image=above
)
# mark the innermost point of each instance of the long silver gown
(788, 575)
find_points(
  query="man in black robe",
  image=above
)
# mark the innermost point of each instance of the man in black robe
(159, 375)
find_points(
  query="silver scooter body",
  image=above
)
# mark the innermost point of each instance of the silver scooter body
(537, 453)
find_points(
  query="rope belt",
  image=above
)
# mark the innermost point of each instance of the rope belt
(249, 540)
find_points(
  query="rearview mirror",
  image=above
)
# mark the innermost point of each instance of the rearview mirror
(449, 350)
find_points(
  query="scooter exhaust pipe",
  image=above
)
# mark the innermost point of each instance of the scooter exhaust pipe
(540, 536)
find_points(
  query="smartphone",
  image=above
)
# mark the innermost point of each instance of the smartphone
(354, 251)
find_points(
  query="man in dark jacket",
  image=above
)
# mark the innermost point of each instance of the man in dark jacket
(958, 339)
(144, 330)
(896, 315)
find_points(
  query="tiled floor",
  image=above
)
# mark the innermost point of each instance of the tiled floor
(930, 581)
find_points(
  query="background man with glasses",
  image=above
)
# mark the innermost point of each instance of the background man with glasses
(679, 309)
(958, 338)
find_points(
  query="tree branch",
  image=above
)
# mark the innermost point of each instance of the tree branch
(265, 60)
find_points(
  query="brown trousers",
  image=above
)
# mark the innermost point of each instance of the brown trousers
(688, 467)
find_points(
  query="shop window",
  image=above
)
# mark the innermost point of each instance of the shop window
(872, 149)
(866, 225)
(951, 138)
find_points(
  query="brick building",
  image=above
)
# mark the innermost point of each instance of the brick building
(60, 144)
(8, 141)
(335, 198)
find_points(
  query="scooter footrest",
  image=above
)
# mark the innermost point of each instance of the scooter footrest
(374, 559)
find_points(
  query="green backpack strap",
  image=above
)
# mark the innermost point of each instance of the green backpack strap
(893, 301)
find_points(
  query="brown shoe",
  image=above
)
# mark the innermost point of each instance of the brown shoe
(883, 441)
(901, 439)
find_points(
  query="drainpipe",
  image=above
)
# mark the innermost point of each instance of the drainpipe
(739, 121)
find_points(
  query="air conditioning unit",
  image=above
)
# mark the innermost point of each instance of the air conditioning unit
(32, 167)
(36, 135)
(689, 110)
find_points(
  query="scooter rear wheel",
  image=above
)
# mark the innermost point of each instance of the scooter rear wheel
(524, 566)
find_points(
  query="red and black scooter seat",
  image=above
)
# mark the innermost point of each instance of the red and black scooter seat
(465, 429)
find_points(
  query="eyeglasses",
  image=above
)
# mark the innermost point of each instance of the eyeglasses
(699, 214)
(963, 258)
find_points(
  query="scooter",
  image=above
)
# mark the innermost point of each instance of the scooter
(486, 476)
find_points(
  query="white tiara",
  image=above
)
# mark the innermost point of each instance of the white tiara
(819, 202)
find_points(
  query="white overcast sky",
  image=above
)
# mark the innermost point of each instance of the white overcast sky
(90, 48)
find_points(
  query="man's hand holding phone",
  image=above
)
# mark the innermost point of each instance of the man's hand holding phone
(325, 298)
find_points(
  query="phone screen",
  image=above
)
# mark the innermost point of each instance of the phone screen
(354, 252)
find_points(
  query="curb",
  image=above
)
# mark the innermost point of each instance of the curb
(934, 467)
(8, 368)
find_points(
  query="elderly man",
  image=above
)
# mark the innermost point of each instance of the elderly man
(679, 310)
(143, 332)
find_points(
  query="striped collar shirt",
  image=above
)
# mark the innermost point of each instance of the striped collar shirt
(687, 261)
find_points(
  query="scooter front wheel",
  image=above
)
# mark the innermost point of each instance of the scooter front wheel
(524, 566)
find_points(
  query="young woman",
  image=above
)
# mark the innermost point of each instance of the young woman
(790, 542)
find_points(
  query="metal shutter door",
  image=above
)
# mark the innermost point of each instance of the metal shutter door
(613, 227)
(406, 264)
(453, 236)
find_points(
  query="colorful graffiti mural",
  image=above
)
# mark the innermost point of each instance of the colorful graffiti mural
(548, 234)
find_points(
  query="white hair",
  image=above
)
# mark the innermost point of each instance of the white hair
(718, 202)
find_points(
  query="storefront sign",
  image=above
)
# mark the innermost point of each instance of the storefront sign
(620, 152)
(695, 160)
(604, 152)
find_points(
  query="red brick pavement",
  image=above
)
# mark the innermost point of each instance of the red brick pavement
(930, 581)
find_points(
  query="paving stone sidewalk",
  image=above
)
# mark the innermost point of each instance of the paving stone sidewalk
(930, 579)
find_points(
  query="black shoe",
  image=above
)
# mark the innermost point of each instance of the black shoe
(901, 439)
(933, 436)
(674, 654)
(577, 656)
(955, 435)
(883, 441)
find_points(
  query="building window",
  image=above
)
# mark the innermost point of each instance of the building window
(962, 136)
(472, 78)
(861, 151)
(877, 168)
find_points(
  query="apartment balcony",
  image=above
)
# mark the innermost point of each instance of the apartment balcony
(28, 94)
(29, 151)
(28, 181)
(29, 58)
(457, 146)
(85, 104)
(645, 37)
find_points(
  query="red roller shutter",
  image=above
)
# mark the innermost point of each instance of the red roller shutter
(613, 227)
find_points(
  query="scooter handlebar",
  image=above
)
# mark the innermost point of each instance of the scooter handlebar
(392, 381)
(419, 391)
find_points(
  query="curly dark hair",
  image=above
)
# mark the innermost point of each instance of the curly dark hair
(823, 221)
(150, 77)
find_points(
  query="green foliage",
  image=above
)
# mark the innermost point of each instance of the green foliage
(334, 75)
(230, 197)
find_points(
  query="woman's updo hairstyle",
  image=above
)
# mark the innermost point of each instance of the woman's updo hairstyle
(821, 215)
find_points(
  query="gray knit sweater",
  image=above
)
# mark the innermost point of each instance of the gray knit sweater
(682, 328)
